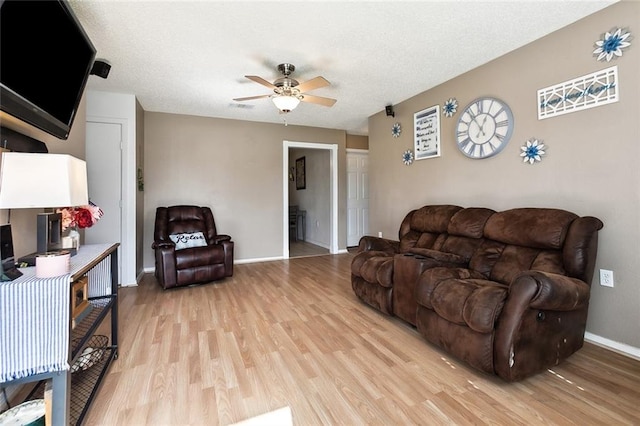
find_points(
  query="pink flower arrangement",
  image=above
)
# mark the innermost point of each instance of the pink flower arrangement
(81, 216)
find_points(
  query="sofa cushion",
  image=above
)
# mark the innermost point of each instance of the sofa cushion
(464, 234)
(469, 222)
(530, 227)
(502, 262)
(425, 227)
(462, 247)
(376, 269)
(471, 302)
(438, 255)
(434, 219)
(188, 240)
(361, 258)
(196, 257)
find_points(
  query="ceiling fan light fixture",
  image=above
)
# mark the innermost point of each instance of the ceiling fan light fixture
(285, 103)
(287, 92)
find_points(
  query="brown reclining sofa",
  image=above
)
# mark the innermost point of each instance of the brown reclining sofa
(506, 292)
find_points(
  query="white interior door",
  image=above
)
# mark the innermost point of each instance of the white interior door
(357, 196)
(104, 175)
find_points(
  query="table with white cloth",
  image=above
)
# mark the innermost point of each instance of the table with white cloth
(36, 331)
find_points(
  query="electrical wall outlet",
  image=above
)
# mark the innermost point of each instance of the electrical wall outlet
(606, 278)
(380, 234)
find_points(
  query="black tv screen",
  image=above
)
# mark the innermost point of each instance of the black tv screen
(45, 62)
(6, 245)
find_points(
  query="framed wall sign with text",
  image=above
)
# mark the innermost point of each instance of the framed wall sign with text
(426, 127)
(301, 173)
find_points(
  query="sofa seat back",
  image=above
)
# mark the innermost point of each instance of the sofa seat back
(547, 240)
(426, 227)
(183, 219)
(452, 235)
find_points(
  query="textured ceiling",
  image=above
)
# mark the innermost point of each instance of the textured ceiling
(187, 57)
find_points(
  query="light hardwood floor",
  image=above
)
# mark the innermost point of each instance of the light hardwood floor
(301, 248)
(292, 333)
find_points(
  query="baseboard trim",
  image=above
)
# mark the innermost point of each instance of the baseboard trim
(621, 348)
(152, 270)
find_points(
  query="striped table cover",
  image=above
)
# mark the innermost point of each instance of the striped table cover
(34, 316)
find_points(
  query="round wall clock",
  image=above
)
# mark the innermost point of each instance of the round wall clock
(395, 130)
(484, 128)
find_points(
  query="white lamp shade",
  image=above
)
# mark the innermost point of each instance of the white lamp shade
(29, 180)
(285, 103)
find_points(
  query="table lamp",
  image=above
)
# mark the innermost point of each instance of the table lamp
(35, 180)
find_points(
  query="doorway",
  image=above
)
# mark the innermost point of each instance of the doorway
(333, 192)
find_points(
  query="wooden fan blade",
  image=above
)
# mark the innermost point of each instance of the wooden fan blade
(314, 83)
(260, 80)
(320, 100)
(251, 98)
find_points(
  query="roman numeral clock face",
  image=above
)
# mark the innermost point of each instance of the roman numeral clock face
(484, 128)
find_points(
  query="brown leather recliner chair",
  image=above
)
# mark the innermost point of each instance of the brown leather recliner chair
(188, 248)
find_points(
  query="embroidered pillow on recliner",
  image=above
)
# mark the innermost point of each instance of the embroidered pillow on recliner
(188, 240)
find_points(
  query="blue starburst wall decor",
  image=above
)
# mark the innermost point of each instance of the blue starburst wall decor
(611, 44)
(396, 130)
(450, 107)
(532, 151)
(407, 157)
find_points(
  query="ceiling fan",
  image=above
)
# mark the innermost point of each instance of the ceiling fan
(288, 92)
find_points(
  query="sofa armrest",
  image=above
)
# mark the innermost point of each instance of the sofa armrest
(165, 254)
(554, 292)
(368, 243)
(220, 238)
(542, 322)
(162, 245)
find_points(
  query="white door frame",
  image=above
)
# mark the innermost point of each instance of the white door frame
(333, 164)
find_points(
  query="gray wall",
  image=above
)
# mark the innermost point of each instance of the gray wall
(236, 168)
(591, 166)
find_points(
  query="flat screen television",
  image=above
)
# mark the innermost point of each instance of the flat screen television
(45, 62)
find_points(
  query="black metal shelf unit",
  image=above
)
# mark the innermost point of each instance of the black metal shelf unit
(85, 382)
(90, 355)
